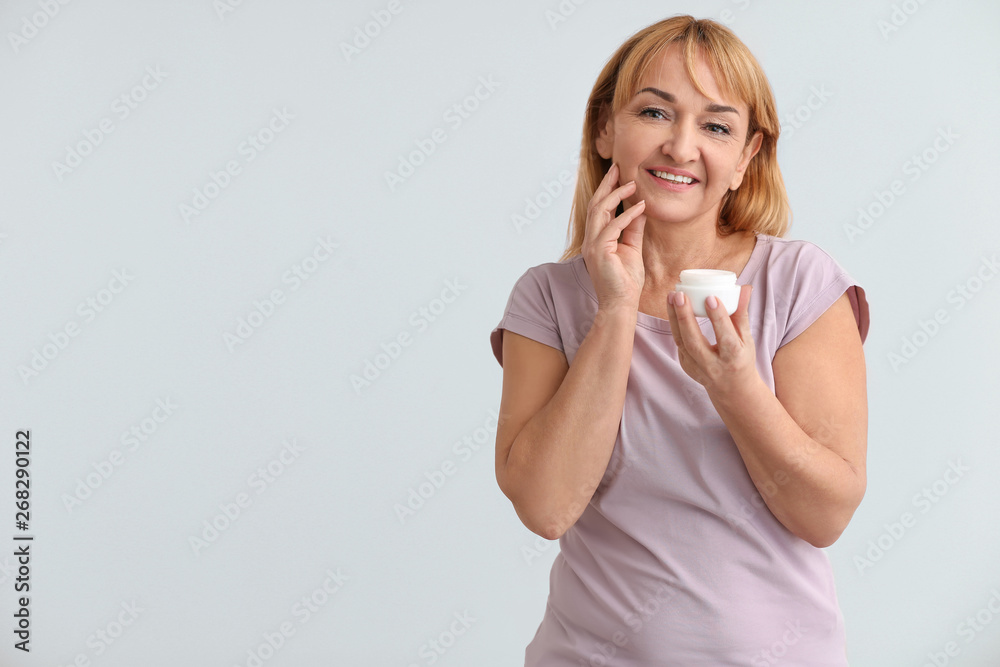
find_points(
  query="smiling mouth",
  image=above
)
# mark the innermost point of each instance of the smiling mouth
(673, 178)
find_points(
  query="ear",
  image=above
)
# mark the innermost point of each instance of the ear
(605, 133)
(748, 152)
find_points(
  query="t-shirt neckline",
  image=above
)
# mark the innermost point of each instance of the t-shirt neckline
(659, 324)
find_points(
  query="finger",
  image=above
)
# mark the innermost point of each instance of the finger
(616, 227)
(609, 205)
(685, 329)
(632, 234)
(592, 229)
(608, 181)
(727, 339)
(605, 190)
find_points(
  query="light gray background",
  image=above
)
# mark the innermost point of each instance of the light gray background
(332, 508)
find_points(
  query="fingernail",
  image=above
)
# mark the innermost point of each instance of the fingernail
(711, 302)
(670, 298)
(679, 299)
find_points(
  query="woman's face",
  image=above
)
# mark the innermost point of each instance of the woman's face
(674, 128)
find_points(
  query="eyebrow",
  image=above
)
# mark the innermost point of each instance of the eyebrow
(712, 108)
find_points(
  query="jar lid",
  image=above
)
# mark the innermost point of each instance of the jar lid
(707, 277)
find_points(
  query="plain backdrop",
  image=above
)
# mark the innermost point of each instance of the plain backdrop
(251, 254)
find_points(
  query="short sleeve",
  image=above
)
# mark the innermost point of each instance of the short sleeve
(530, 312)
(817, 281)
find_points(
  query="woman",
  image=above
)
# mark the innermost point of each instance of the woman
(692, 468)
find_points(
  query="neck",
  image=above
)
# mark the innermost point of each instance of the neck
(669, 248)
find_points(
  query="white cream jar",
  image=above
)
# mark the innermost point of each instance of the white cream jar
(697, 284)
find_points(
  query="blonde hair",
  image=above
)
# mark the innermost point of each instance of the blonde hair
(760, 204)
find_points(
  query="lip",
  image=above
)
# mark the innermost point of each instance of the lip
(667, 185)
(676, 172)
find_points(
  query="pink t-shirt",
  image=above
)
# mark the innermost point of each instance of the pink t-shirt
(676, 560)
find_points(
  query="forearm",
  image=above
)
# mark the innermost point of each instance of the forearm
(810, 489)
(559, 457)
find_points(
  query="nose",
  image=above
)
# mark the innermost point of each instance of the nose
(679, 142)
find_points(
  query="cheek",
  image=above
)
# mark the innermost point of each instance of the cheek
(628, 146)
(722, 168)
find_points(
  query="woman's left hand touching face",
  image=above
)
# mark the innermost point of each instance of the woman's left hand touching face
(730, 363)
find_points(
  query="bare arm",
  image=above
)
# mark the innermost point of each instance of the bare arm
(805, 444)
(558, 423)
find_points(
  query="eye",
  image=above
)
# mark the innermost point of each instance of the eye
(652, 109)
(714, 128)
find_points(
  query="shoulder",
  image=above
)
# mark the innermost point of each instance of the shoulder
(552, 283)
(551, 304)
(557, 274)
(795, 268)
(804, 280)
(795, 254)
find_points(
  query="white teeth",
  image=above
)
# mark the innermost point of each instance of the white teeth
(672, 177)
